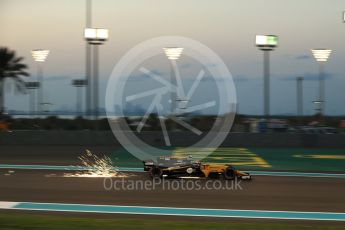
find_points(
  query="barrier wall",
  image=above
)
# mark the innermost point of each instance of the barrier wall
(179, 139)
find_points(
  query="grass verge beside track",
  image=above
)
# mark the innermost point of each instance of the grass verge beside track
(26, 221)
(271, 159)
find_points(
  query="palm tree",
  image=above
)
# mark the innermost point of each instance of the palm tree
(11, 68)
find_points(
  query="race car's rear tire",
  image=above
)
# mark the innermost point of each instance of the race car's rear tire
(229, 173)
(156, 172)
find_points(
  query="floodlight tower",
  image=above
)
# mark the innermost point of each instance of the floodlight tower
(266, 43)
(321, 56)
(79, 83)
(96, 37)
(32, 86)
(40, 55)
(299, 98)
(173, 54)
(88, 96)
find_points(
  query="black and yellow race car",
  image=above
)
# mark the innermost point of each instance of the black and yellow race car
(175, 167)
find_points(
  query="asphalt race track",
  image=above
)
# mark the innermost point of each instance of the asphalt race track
(262, 193)
(266, 193)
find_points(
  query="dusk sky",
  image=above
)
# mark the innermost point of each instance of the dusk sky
(227, 27)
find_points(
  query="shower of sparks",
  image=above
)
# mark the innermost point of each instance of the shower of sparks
(95, 166)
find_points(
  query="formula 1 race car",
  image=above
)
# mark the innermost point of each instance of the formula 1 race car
(177, 167)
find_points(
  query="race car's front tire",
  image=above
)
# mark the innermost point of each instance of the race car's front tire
(229, 173)
(156, 172)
